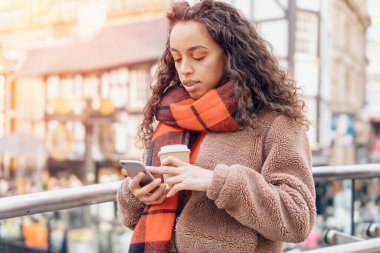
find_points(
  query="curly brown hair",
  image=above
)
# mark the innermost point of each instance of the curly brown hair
(259, 82)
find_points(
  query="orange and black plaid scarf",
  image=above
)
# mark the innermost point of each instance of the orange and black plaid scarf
(182, 120)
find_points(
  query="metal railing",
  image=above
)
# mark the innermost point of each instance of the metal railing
(334, 237)
(366, 246)
(359, 171)
(34, 203)
(353, 172)
(40, 202)
(372, 230)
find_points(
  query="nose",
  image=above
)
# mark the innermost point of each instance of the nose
(185, 68)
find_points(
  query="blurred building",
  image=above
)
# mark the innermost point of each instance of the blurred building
(322, 46)
(4, 71)
(292, 28)
(350, 22)
(373, 80)
(81, 72)
(76, 74)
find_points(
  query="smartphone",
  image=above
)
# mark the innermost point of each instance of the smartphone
(134, 167)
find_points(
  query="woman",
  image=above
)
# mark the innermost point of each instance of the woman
(248, 186)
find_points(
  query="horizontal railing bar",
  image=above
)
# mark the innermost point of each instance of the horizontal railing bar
(367, 246)
(335, 237)
(41, 202)
(358, 171)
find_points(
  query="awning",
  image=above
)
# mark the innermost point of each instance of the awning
(112, 47)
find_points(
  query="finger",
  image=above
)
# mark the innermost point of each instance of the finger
(134, 183)
(151, 186)
(157, 194)
(176, 188)
(153, 169)
(161, 199)
(173, 161)
(174, 180)
(164, 170)
(158, 201)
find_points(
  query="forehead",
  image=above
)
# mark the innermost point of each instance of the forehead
(188, 34)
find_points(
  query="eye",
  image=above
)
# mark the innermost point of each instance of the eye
(198, 58)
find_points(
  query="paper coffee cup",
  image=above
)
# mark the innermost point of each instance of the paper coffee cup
(179, 151)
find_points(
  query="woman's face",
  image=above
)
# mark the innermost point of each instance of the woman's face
(199, 60)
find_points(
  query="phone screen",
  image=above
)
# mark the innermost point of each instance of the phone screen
(133, 167)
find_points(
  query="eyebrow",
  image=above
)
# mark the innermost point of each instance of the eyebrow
(190, 49)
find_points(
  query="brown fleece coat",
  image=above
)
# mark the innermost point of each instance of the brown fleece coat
(262, 191)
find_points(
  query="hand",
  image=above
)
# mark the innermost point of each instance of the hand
(150, 194)
(183, 176)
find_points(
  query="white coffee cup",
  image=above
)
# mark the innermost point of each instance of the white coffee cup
(180, 151)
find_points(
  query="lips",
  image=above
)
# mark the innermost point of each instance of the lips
(190, 85)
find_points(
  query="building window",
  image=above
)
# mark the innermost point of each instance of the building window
(307, 34)
(312, 5)
(52, 91)
(311, 113)
(118, 87)
(91, 87)
(2, 105)
(263, 10)
(133, 149)
(139, 88)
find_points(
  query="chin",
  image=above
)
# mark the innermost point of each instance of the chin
(195, 96)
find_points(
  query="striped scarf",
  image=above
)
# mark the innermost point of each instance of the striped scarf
(182, 120)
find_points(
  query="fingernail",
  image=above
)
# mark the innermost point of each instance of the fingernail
(158, 180)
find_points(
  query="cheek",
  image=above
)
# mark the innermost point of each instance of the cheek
(177, 71)
(214, 67)
(220, 68)
(176, 66)
(217, 71)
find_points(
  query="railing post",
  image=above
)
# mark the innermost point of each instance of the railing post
(352, 206)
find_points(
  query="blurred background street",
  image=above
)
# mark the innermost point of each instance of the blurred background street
(76, 74)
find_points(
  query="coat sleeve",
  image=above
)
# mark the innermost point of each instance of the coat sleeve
(129, 207)
(279, 201)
